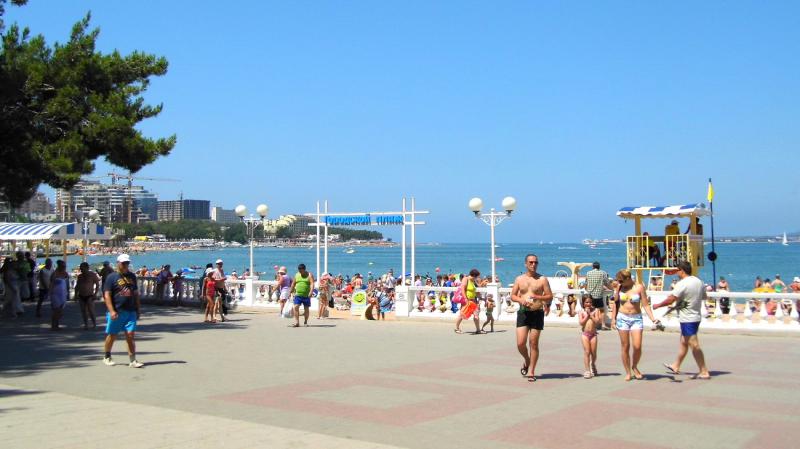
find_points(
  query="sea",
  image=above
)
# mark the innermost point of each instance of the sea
(739, 263)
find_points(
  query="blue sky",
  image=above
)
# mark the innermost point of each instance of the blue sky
(574, 108)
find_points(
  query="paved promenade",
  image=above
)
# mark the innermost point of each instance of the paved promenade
(254, 382)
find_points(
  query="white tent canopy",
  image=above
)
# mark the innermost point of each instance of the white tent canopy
(683, 210)
(52, 231)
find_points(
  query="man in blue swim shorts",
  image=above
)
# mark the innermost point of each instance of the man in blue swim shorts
(689, 293)
(121, 296)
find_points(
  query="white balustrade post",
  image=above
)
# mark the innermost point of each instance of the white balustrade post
(402, 301)
(763, 311)
(732, 309)
(779, 311)
(748, 311)
(794, 313)
(249, 292)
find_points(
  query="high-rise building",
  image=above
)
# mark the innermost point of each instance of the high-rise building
(183, 210)
(38, 207)
(221, 215)
(111, 200)
(300, 226)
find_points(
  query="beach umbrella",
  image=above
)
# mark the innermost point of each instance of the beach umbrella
(186, 270)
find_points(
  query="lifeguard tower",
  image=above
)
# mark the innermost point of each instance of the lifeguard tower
(644, 252)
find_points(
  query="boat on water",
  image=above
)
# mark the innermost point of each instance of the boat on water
(349, 251)
(785, 241)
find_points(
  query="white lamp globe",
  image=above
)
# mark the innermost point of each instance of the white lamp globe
(509, 204)
(94, 214)
(241, 210)
(262, 210)
(475, 205)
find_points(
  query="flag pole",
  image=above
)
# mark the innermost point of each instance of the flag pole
(712, 256)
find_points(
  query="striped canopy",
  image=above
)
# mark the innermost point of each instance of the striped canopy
(52, 231)
(684, 210)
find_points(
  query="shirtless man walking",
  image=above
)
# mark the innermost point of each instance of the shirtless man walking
(87, 287)
(531, 290)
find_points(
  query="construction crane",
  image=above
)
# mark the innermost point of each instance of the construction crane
(128, 212)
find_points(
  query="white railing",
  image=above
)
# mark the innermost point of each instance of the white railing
(747, 309)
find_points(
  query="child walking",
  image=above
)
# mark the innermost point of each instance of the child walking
(589, 324)
(489, 313)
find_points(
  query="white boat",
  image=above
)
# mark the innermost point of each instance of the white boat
(785, 241)
(349, 251)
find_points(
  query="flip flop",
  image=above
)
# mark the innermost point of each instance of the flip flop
(531, 379)
(670, 369)
(524, 371)
(699, 377)
(458, 331)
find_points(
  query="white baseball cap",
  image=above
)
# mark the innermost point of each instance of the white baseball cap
(218, 261)
(796, 279)
(123, 258)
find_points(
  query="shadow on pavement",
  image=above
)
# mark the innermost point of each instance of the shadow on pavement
(29, 346)
(166, 362)
(558, 376)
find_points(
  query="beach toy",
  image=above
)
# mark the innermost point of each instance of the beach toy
(275, 267)
(438, 269)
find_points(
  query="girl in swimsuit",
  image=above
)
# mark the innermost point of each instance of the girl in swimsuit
(589, 322)
(630, 297)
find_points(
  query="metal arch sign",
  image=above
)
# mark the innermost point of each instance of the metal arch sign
(364, 220)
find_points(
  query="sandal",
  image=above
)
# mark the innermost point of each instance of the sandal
(524, 371)
(458, 331)
(531, 379)
(670, 369)
(699, 377)
(587, 375)
(594, 370)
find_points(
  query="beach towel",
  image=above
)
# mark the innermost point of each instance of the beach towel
(469, 309)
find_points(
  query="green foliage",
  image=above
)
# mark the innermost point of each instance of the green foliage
(64, 106)
(356, 234)
(237, 233)
(174, 230)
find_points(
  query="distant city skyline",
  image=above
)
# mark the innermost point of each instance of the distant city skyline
(575, 110)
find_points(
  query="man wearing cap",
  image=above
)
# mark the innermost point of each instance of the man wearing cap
(284, 285)
(302, 285)
(218, 275)
(121, 296)
(597, 283)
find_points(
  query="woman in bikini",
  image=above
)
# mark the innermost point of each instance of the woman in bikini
(630, 297)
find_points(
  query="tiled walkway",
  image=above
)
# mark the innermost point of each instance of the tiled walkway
(254, 382)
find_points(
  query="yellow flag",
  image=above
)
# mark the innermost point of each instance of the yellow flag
(710, 192)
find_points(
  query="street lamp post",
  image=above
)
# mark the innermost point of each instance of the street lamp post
(493, 218)
(252, 223)
(88, 217)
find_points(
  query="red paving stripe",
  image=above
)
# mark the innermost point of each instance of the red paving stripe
(683, 393)
(452, 400)
(552, 430)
